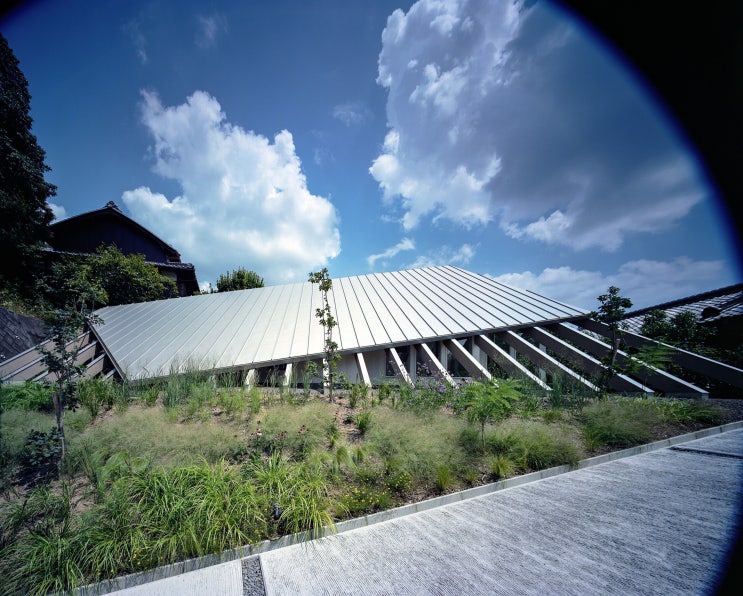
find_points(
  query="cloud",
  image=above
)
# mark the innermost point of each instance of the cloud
(508, 112)
(244, 200)
(404, 244)
(351, 113)
(445, 255)
(208, 29)
(670, 280)
(58, 210)
(134, 30)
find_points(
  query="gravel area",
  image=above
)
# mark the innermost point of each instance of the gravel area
(732, 409)
(253, 577)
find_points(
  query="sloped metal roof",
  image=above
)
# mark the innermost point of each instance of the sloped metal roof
(277, 324)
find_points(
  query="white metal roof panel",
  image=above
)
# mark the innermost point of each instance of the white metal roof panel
(277, 324)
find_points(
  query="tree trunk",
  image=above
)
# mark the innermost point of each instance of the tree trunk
(60, 425)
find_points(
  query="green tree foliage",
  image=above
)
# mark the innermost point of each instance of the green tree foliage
(120, 279)
(239, 279)
(64, 326)
(128, 278)
(327, 320)
(490, 401)
(612, 309)
(655, 325)
(682, 330)
(24, 212)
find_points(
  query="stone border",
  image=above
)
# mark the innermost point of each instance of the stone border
(254, 550)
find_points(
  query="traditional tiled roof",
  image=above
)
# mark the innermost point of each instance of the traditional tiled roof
(708, 306)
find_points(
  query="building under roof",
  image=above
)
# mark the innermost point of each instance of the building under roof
(84, 233)
(712, 306)
(441, 321)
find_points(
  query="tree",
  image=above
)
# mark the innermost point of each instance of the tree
(655, 325)
(128, 278)
(328, 322)
(24, 212)
(686, 332)
(490, 401)
(612, 309)
(122, 279)
(64, 326)
(239, 279)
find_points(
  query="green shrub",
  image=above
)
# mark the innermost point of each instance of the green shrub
(40, 458)
(97, 393)
(29, 396)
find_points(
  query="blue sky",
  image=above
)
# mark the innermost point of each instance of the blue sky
(285, 136)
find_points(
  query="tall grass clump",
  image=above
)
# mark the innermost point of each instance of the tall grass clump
(150, 434)
(620, 423)
(98, 393)
(534, 445)
(419, 443)
(159, 516)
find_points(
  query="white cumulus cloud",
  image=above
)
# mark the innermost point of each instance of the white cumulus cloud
(244, 199)
(58, 210)
(445, 255)
(643, 281)
(351, 113)
(508, 112)
(404, 244)
(208, 29)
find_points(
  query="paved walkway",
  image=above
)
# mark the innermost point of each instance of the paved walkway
(656, 523)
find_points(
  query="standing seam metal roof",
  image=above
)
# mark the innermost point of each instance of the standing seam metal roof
(277, 324)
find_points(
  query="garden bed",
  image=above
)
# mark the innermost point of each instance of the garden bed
(187, 469)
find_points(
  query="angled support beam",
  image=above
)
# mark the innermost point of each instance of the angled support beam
(542, 359)
(250, 378)
(656, 378)
(507, 362)
(363, 371)
(467, 360)
(399, 367)
(693, 362)
(20, 361)
(427, 356)
(288, 375)
(96, 366)
(588, 364)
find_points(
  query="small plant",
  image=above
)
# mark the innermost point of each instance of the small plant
(358, 394)
(363, 421)
(500, 466)
(384, 392)
(255, 400)
(444, 478)
(150, 395)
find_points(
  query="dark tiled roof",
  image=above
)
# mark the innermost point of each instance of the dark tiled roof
(18, 333)
(708, 306)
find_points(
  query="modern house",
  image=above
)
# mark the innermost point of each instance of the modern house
(84, 233)
(399, 326)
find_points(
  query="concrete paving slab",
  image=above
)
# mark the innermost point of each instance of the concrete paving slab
(656, 523)
(221, 580)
